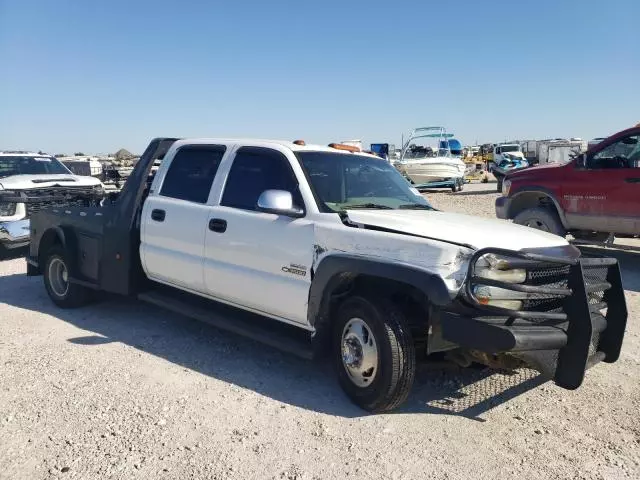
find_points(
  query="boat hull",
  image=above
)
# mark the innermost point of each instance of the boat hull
(420, 173)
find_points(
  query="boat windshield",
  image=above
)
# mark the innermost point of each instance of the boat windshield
(340, 181)
(437, 149)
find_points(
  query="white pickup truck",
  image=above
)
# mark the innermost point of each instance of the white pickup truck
(329, 250)
(32, 181)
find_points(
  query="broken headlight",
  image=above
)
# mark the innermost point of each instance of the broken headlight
(7, 209)
(499, 269)
(496, 268)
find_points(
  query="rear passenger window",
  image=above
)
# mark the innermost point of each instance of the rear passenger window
(255, 170)
(191, 172)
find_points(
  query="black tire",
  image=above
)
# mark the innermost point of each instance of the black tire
(541, 218)
(396, 359)
(75, 295)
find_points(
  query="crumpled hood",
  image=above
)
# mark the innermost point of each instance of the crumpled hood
(458, 228)
(25, 182)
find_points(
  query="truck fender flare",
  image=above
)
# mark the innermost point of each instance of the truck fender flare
(542, 191)
(57, 235)
(335, 270)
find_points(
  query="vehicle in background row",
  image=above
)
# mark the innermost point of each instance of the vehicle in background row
(431, 166)
(530, 150)
(559, 151)
(328, 250)
(383, 150)
(594, 197)
(595, 141)
(83, 166)
(30, 182)
(508, 164)
(500, 150)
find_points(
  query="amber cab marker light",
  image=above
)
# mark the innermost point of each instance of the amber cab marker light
(348, 148)
(299, 142)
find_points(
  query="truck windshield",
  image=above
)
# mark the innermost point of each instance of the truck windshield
(30, 165)
(509, 148)
(341, 181)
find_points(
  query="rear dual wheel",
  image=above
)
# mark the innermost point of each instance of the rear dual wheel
(374, 353)
(62, 291)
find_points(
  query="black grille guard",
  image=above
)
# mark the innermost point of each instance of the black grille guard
(562, 343)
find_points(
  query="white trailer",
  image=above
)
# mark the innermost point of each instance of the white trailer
(529, 150)
(559, 151)
(84, 166)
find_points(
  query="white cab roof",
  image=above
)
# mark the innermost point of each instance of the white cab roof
(269, 143)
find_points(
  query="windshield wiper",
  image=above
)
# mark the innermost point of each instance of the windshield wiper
(368, 205)
(415, 206)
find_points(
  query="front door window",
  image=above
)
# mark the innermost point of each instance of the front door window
(625, 153)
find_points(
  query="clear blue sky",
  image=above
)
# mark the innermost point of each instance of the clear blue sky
(96, 76)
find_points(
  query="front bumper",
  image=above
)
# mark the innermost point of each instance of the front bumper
(14, 233)
(502, 207)
(562, 343)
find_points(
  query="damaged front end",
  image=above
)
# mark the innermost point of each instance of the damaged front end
(558, 315)
(18, 206)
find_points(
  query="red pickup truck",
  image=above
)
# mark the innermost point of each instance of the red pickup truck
(593, 196)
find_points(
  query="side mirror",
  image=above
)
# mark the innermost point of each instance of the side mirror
(581, 161)
(279, 202)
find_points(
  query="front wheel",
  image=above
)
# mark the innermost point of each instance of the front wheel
(374, 353)
(61, 290)
(541, 218)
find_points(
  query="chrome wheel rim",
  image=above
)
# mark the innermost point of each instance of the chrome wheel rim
(58, 277)
(359, 352)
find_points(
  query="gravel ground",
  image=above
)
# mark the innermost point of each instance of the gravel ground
(124, 390)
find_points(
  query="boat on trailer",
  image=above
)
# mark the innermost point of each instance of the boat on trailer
(431, 167)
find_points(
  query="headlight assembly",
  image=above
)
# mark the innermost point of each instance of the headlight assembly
(495, 268)
(506, 186)
(499, 297)
(498, 269)
(7, 209)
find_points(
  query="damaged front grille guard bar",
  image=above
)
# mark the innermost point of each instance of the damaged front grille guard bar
(530, 260)
(575, 357)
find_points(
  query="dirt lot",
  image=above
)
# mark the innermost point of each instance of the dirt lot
(124, 390)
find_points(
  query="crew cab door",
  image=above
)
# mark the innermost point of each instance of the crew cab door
(253, 259)
(174, 218)
(603, 192)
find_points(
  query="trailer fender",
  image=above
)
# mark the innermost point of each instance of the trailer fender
(61, 236)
